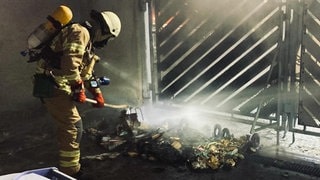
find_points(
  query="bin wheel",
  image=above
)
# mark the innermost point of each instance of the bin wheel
(225, 133)
(254, 140)
(217, 131)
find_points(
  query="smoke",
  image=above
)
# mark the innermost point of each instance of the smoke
(114, 70)
(191, 117)
(124, 84)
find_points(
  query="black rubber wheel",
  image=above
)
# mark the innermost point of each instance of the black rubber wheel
(217, 133)
(226, 133)
(254, 140)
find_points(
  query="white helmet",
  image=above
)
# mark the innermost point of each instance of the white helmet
(113, 22)
(109, 22)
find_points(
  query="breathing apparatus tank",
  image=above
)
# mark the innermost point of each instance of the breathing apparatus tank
(60, 17)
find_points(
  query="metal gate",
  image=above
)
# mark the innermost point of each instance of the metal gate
(239, 57)
(309, 114)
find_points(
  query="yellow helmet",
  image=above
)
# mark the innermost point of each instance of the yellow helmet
(61, 16)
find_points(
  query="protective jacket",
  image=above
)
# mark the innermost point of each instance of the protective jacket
(69, 54)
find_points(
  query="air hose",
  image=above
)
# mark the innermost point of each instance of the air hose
(120, 106)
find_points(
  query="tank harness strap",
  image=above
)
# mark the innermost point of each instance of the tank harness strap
(55, 23)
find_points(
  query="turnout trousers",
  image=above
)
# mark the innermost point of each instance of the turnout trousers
(69, 130)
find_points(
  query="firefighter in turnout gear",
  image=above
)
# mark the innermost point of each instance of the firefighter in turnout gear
(63, 76)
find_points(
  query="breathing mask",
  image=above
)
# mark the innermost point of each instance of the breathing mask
(100, 39)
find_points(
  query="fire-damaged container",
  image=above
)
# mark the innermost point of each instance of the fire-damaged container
(222, 150)
(129, 121)
(180, 145)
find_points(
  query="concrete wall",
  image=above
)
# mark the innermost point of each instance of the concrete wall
(121, 59)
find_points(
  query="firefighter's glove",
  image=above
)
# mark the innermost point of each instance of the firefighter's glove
(78, 90)
(97, 95)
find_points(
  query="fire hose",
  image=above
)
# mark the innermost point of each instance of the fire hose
(120, 106)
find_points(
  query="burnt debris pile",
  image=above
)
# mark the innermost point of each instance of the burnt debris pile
(178, 145)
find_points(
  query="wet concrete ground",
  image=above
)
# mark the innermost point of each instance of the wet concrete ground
(30, 147)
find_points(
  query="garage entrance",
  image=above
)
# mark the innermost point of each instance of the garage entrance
(255, 60)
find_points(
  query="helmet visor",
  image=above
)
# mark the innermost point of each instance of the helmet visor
(95, 15)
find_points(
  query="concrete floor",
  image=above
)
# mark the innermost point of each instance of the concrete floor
(30, 147)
